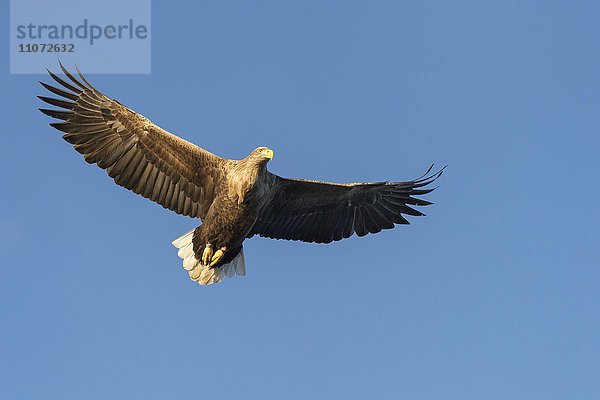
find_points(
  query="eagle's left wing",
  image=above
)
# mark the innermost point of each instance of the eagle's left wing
(322, 212)
(135, 152)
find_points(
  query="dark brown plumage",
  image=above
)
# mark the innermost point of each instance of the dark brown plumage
(234, 199)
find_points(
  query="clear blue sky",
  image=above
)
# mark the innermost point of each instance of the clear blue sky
(494, 295)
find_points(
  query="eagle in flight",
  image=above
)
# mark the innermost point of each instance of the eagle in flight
(235, 199)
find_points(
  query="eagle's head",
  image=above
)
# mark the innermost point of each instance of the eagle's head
(262, 155)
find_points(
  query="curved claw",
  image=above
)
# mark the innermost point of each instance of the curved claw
(207, 254)
(217, 256)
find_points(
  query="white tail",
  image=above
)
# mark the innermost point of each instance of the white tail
(200, 273)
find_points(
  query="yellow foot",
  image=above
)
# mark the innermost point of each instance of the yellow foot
(217, 256)
(207, 254)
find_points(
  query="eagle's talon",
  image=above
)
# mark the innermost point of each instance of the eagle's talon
(217, 256)
(207, 254)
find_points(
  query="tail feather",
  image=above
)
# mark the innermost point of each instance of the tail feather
(200, 273)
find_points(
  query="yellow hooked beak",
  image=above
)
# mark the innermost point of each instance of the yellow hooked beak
(268, 153)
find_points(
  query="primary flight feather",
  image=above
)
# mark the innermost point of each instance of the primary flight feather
(235, 199)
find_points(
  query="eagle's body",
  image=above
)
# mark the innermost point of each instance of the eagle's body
(240, 197)
(235, 199)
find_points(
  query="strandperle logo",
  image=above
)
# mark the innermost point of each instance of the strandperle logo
(85, 30)
(100, 36)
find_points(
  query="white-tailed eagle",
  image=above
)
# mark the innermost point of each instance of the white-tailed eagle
(235, 199)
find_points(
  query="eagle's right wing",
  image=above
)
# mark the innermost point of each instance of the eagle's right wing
(136, 153)
(322, 212)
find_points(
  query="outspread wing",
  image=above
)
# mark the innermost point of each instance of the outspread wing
(322, 212)
(136, 153)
